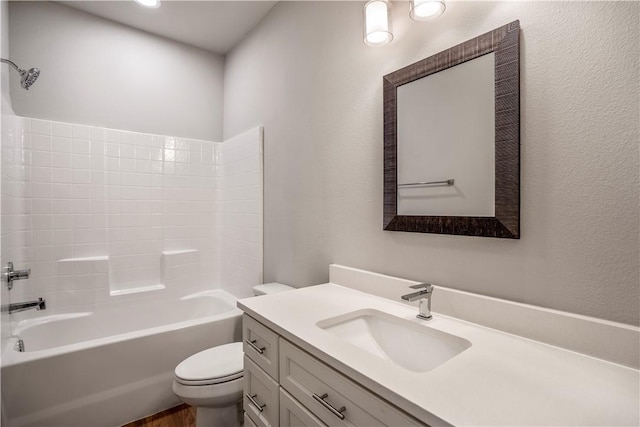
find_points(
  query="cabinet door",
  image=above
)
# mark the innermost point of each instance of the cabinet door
(332, 397)
(261, 398)
(261, 345)
(293, 414)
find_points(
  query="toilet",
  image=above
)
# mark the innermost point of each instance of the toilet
(212, 380)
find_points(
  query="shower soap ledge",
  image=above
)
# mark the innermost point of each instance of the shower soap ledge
(140, 289)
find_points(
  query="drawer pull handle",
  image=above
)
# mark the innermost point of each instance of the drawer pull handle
(337, 412)
(253, 345)
(256, 404)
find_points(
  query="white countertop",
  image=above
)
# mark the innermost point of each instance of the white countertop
(501, 380)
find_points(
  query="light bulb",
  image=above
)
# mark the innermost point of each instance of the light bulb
(377, 23)
(152, 4)
(423, 10)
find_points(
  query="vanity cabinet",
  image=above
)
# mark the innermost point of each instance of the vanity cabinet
(285, 386)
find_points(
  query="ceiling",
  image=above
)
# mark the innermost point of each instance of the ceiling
(216, 26)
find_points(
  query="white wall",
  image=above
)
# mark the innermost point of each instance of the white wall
(100, 73)
(239, 203)
(307, 76)
(4, 53)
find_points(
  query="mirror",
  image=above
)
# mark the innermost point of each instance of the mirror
(452, 140)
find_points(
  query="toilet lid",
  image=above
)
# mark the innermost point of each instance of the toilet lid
(214, 365)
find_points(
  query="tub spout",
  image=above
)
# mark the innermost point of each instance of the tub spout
(39, 304)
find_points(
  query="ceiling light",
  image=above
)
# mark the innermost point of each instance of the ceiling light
(423, 10)
(377, 23)
(152, 4)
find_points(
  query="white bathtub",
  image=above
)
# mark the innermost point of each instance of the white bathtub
(111, 367)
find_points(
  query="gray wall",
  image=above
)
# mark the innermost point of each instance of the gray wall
(100, 73)
(306, 75)
(4, 53)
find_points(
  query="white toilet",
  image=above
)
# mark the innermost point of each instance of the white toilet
(212, 380)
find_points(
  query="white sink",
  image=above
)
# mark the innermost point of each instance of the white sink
(412, 345)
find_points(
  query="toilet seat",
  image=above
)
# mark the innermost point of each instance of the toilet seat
(212, 366)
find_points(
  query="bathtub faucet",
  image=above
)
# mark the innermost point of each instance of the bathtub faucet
(39, 304)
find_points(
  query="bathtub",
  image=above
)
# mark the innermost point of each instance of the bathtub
(110, 367)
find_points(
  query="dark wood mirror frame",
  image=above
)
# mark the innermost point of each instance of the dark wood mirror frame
(504, 42)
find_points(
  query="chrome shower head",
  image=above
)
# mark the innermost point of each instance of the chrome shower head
(27, 78)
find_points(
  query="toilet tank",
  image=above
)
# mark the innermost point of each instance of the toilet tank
(271, 288)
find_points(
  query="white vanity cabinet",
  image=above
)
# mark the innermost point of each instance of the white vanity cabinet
(261, 388)
(299, 390)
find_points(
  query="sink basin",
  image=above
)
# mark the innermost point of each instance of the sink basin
(413, 346)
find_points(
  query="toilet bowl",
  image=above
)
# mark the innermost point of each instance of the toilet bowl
(212, 380)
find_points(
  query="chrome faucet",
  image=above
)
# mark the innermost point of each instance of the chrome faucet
(9, 275)
(39, 304)
(424, 295)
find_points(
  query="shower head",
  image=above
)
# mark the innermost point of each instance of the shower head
(27, 78)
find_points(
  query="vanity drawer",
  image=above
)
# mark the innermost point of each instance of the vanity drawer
(248, 422)
(261, 399)
(293, 414)
(261, 345)
(323, 391)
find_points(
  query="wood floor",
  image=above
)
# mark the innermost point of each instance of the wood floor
(179, 416)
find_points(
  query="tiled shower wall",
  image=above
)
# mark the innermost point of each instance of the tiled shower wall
(14, 221)
(103, 216)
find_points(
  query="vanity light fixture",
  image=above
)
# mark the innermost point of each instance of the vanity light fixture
(151, 4)
(377, 23)
(424, 10)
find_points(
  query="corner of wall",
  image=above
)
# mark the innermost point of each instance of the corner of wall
(6, 106)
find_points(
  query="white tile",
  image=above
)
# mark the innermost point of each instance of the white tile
(82, 236)
(62, 191)
(61, 145)
(41, 222)
(60, 160)
(113, 165)
(98, 134)
(41, 206)
(62, 221)
(43, 237)
(81, 206)
(142, 139)
(42, 127)
(41, 174)
(41, 142)
(81, 176)
(81, 146)
(41, 158)
(127, 165)
(81, 221)
(128, 138)
(98, 148)
(81, 132)
(63, 206)
(98, 163)
(99, 222)
(62, 237)
(61, 129)
(81, 161)
(61, 176)
(127, 151)
(112, 135)
(143, 166)
(82, 191)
